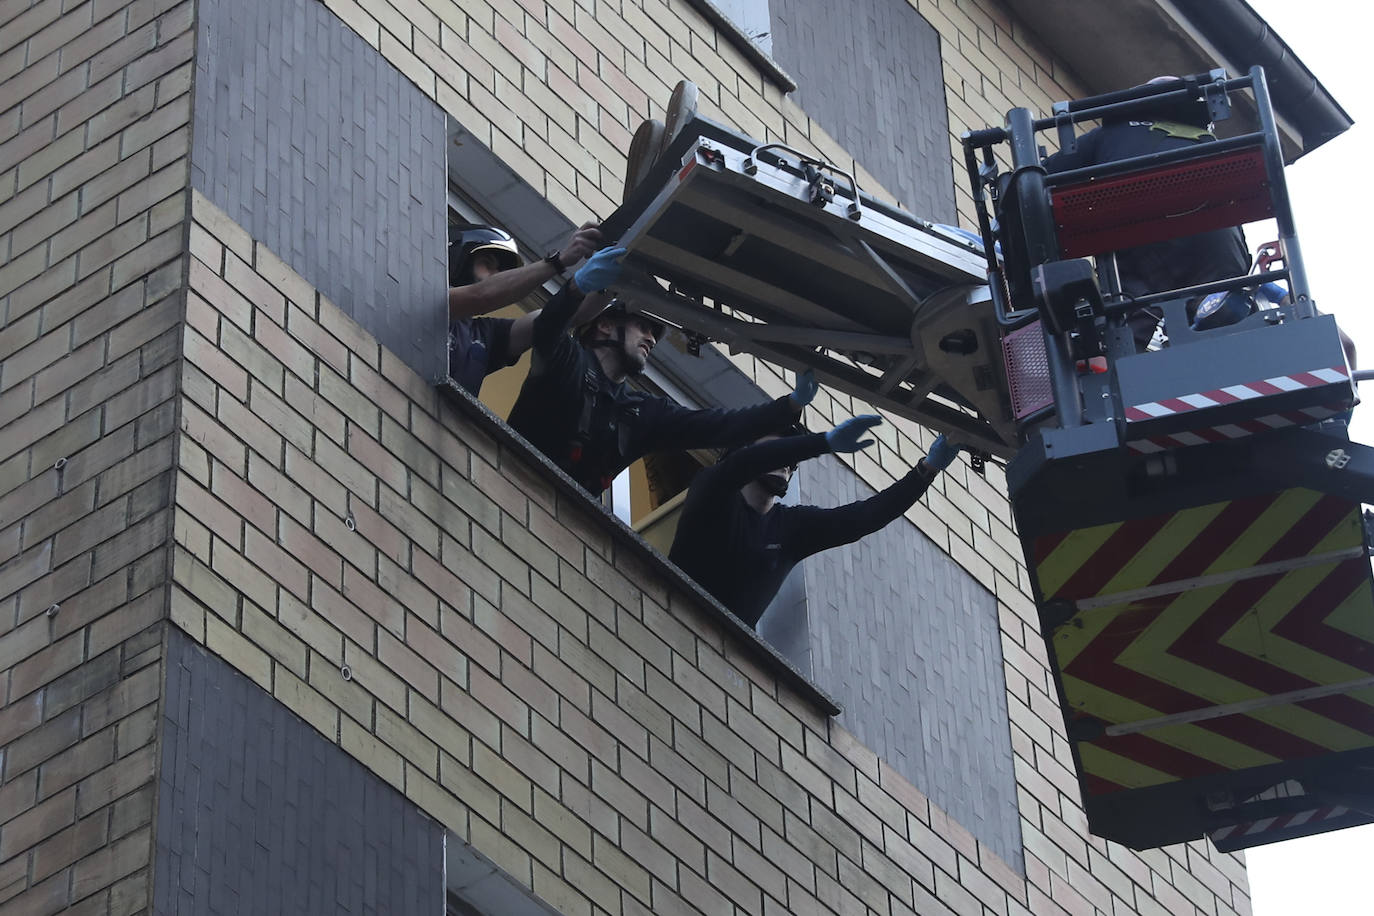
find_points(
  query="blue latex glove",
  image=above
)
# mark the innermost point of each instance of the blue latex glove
(806, 389)
(941, 454)
(601, 270)
(845, 437)
(1271, 294)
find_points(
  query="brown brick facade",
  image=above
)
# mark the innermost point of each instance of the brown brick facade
(395, 573)
(590, 730)
(93, 205)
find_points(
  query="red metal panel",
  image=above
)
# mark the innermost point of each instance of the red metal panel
(1154, 205)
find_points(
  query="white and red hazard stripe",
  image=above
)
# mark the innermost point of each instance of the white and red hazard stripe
(1231, 394)
(1265, 825)
(1205, 434)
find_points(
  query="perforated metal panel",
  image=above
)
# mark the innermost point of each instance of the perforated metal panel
(1125, 211)
(1028, 370)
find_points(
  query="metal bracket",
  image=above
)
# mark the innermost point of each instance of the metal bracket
(822, 189)
(1214, 93)
(914, 359)
(1063, 123)
(1337, 459)
(820, 186)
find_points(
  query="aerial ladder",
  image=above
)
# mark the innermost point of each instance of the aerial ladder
(1191, 515)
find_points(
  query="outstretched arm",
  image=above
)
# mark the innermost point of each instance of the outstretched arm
(509, 286)
(750, 462)
(549, 324)
(814, 529)
(522, 332)
(671, 425)
(601, 270)
(497, 291)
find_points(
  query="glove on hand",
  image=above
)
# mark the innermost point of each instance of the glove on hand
(806, 389)
(845, 437)
(601, 270)
(941, 454)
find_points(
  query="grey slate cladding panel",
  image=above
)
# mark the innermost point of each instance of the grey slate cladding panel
(308, 138)
(259, 814)
(869, 72)
(909, 645)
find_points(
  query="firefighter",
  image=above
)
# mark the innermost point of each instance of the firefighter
(487, 273)
(1216, 255)
(739, 544)
(577, 407)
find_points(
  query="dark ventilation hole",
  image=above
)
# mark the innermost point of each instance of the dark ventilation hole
(964, 342)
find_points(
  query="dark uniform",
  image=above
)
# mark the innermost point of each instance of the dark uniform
(593, 428)
(741, 555)
(477, 347)
(1172, 264)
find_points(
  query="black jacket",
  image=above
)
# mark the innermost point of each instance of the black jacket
(594, 428)
(740, 555)
(477, 347)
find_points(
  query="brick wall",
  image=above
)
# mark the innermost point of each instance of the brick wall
(93, 199)
(519, 673)
(513, 668)
(555, 89)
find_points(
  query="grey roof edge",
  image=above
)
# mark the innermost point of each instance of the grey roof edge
(1106, 46)
(1244, 37)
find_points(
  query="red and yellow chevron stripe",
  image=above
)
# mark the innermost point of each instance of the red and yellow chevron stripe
(1217, 638)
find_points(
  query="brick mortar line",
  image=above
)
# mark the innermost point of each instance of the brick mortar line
(551, 723)
(770, 658)
(704, 775)
(169, 550)
(947, 88)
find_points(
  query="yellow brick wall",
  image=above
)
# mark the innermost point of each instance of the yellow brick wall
(554, 106)
(519, 672)
(557, 88)
(93, 199)
(512, 668)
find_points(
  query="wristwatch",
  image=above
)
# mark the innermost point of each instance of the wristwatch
(554, 260)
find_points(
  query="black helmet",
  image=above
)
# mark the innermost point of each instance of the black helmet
(466, 239)
(618, 313)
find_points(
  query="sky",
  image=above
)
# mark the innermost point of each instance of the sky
(1331, 874)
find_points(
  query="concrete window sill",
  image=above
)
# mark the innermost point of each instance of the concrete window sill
(733, 34)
